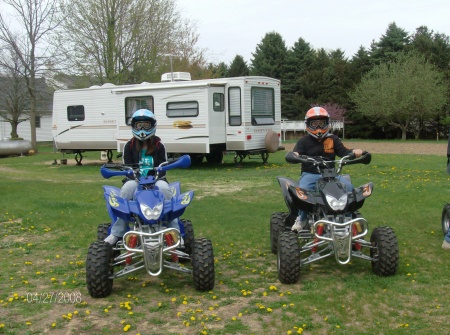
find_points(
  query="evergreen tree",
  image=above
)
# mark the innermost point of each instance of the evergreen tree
(295, 86)
(269, 57)
(238, 67)
(394, 41)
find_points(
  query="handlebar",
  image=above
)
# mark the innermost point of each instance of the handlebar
(109, 170)
(294, 158)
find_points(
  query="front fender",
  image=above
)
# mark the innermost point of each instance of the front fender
(115, 204)
(295, 197)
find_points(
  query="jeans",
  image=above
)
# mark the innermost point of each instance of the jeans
(308, 181)
(120, 227)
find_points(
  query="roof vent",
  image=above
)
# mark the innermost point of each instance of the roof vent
(177, 76)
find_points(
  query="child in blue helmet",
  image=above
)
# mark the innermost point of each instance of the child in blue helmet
(146, 149)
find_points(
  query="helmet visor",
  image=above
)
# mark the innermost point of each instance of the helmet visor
(318, 124)
(144, 125)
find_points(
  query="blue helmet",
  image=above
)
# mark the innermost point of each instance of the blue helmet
(143, 124)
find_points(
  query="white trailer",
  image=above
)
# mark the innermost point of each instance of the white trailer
(203, 118)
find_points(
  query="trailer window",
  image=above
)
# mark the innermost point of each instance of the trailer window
(234, 106)
(75, 113)
(179, 109)
(263, 106)
(218, 102)
(132, 104)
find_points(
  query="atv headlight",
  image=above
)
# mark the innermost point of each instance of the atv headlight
(152, 213)
(337, 204)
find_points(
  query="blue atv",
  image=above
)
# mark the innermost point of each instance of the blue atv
(150, 244)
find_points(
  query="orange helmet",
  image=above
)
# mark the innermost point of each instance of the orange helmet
(317, 122)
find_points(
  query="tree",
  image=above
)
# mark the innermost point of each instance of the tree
(295, 89)
(238, 67)
(403, 93)
(269, 57)
(394, 41)
(14, 96)
(128, 41)
(37, 18)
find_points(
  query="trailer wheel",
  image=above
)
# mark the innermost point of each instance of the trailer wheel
(272, 141)
(214, 157)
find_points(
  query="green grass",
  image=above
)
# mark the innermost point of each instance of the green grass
(49, 216)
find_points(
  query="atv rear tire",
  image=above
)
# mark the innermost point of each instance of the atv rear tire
(102, 231)
(188, 236)
(99, 269)
(288, 260)
(203, 264)
(277, 226)
(385, 253)
(445, 219)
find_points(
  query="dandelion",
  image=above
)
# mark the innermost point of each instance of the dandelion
(269, 309)
(106, 310)
(273, 288)
(126, 328)
(174, 299)
(54, 324)
(88, 312)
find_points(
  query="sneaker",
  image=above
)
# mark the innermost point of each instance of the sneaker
(111, 239)
(299, 225)
(446, 245)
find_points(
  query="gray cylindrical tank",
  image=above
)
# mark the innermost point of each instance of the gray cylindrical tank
(10, 148)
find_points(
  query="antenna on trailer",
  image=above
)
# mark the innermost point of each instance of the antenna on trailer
(171, 68)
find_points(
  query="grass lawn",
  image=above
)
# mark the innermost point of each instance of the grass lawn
(49, 215)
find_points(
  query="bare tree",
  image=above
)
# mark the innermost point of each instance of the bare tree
(35, 21)
(125, 41)
(14, 96)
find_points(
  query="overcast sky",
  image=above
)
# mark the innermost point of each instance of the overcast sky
(231, 27)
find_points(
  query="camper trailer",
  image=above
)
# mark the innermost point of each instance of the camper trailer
(203, 118)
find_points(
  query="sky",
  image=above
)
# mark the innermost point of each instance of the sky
(228, 28)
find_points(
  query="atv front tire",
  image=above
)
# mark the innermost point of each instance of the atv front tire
(277, 226)
(385, 254)
(288, 260)
(202, 258)
(99, 269)
(445, 219)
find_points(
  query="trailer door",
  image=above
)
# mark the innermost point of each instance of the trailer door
(216, 114)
